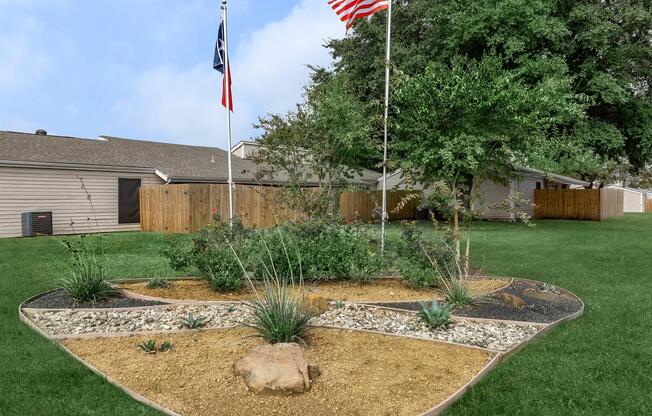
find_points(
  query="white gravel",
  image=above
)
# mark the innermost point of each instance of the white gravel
(495, 336)
(491, 335)
(76, 322)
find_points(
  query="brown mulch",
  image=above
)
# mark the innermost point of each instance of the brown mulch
(362, 373)
(386, 290)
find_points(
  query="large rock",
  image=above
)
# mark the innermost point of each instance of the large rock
(276, 369)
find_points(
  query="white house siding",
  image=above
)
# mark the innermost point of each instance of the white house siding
(60, 191)
(633, 201)
(490, 195)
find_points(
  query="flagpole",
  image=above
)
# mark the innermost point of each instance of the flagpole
(387, 80)
(227, 86)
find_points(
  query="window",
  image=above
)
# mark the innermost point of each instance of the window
(538, 185)
(128, 201)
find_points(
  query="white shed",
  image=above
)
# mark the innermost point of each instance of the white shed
(635, 199)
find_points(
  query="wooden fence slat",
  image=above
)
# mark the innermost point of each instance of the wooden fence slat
(578, 204)
(189, 207)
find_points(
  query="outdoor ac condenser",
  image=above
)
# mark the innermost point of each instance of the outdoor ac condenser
(36, 223)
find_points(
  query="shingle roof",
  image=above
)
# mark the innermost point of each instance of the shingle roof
(179, 163)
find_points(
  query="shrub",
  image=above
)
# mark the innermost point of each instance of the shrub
(211, 253)
(426, 263)
(158, 282)
(87, 279)
(148, 346)
(179, 254)
(436, 315)
(321, 248)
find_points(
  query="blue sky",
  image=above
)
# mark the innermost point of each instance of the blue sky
(142, 68)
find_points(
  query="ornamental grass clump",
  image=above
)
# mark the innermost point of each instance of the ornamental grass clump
(88, 275)
(457, 294)
(278, 312)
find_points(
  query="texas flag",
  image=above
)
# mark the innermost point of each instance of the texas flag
(219, 63)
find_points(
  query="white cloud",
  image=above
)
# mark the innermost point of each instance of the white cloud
(22, 62)
(182, 105)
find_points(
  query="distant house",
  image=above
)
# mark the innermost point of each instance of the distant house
(494, 194)
(92, 184)
(635, 199)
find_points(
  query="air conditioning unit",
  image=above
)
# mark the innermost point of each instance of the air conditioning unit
(36, 223)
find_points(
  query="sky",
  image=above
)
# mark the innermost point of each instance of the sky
(142, 69)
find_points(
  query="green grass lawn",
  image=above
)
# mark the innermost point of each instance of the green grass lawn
(599, 364)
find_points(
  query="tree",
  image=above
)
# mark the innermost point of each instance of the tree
(602, 48)
(324, 141)
(459, 124)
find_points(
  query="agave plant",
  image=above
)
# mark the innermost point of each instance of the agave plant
(191, 322)
(436, 315)
(148, 346)
(158, 282)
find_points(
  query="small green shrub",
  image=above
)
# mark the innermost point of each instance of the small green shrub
(179, 254)
(220, 267)
(87, 279)
(148, 346)
(457, 294)
(323, 249)
(165, 346)
(158, 282)
(280, 315)
(436, 315)
(426, 263)
(191, 322)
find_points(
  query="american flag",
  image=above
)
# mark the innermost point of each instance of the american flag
(218, 64)
(349, 10)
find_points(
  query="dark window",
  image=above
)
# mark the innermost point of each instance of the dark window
(538, 185)
(564, 186)
(128, 201)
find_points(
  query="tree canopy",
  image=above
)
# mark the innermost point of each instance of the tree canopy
(601, 49)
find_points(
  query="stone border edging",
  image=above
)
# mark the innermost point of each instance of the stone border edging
(498, 358)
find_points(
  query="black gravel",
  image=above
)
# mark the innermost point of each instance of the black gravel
(59, 299)
(544, 304)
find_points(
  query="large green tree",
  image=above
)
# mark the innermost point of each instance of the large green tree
(324, 141)
(602, 48)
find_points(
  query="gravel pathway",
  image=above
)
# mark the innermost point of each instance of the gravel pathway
(491, 335)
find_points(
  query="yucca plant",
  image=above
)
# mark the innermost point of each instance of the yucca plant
(457, 294)
(87, 279)
(436, 315)
(278, 314)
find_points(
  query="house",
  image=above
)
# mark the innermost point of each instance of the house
(92, 185)
(636, 200)
(493, 194)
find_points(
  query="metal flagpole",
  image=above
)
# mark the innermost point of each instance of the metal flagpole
(227, 86)
(387, 75)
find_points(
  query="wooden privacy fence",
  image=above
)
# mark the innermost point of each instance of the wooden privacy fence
(189, 207)
(648, 205)
(578, 204)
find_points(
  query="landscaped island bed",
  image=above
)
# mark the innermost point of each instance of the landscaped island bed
(387, 290)
(362, 373)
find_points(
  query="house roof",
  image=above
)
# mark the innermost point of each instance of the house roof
(553, 176)
(635, 190)
(172, 162)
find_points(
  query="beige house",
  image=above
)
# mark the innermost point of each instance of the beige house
(634, 199)
(493, 196)
(91, 185)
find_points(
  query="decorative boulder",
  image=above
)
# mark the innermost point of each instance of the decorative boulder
(279, 369)
(315, 304)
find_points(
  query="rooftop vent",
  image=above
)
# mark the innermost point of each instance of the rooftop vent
(41, 132)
